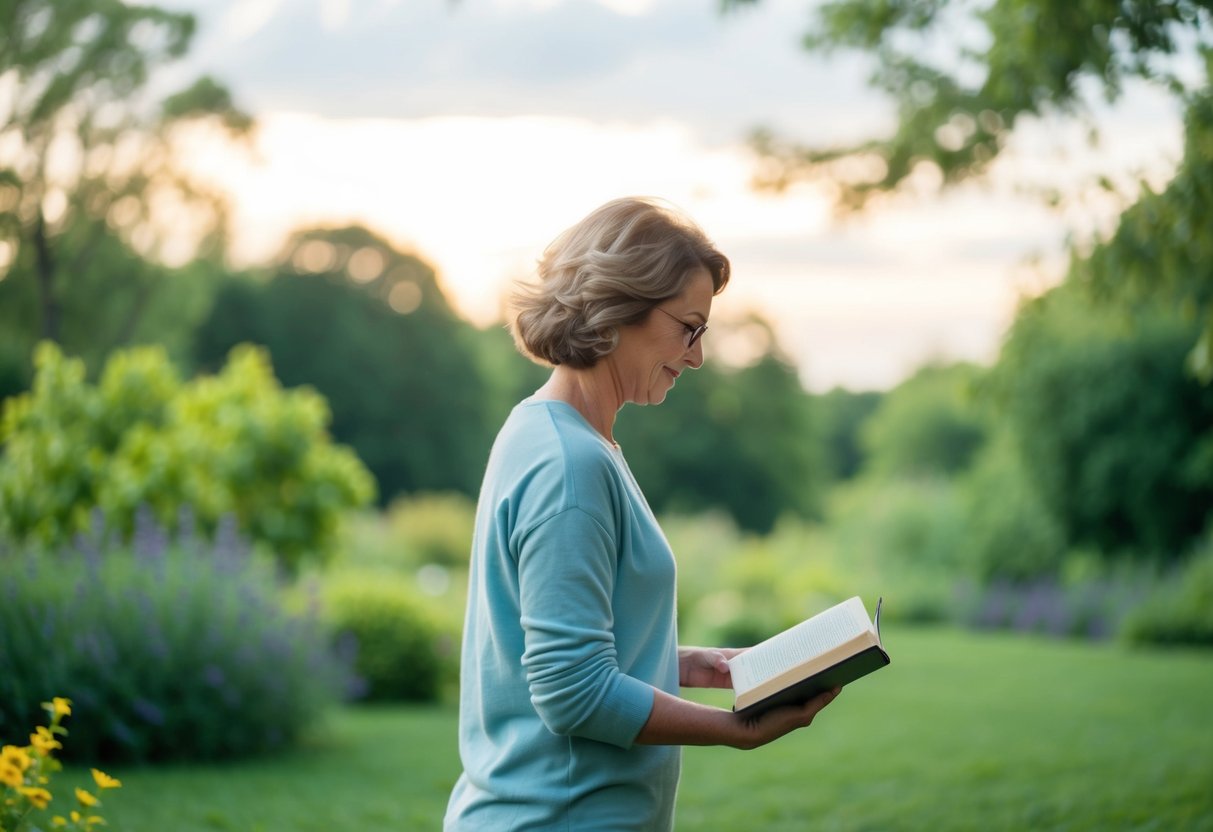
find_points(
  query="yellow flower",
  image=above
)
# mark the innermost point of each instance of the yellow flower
(58, 820)
(15, 756)
(10, 775)
(44, 740)
(104, 781)
(59, 706)
(86, 798)
(91, 820)
(37, 796)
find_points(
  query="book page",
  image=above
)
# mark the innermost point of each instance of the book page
(781, 652)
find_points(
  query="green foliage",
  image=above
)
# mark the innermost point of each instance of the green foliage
(1009, 531)
(902, 524)
(702, 544)
(1162, 249)
(929, 425)
(232, 444)
(509, 376)
(421, 542)
(1181, 612)
(168, 651)
(903, 539)
(741, 440)
(435, 528)
(1094, 608)
(962, 75)
(81, 68)
(403, 648)
(369, 328)
(115, 297)
(738, 589)
(753, 600)
(841, 415)
(206, 97)
(1114, 433)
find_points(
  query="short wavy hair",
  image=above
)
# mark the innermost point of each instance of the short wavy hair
(608, 271)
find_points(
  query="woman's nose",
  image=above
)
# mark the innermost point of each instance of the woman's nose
(695, 355)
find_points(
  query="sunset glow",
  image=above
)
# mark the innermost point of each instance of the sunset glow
(476, 170)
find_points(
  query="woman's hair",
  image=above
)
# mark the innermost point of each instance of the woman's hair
(608, 271)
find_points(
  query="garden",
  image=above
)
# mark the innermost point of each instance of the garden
(236, 502)
(970, 727)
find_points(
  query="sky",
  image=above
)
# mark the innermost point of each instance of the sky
(473, 132)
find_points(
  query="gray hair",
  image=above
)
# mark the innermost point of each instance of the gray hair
(607, 271)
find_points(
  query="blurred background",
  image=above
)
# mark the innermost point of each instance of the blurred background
(253, 261)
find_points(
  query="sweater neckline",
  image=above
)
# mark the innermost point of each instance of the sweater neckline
(532, 400)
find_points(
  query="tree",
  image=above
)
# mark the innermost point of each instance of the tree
(841, 415)
(1114, 436)
(995, 64)
(92, 191)
(1162, 248)
(739, 439)
(964, 75)
(119, 299)
(930, 424)
(370, 329)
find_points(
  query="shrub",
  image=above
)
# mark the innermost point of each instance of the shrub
(928, 426)
(402, 647)
(900, 524)
(233, 444)
(1114, 433)
(702, 543)
(1093, 608)
(728, 621)
(435, 528)
(1010, 532)
(1181, 612)
(168, 650)
(767, 585)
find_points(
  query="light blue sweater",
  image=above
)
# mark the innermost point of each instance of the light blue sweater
(570, 626)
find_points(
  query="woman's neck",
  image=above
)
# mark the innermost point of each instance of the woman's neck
(593, 393)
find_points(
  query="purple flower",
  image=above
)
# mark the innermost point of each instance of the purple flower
(214, 676)
(149, 712)
(150, 541)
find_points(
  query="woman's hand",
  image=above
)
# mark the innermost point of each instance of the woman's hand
(705, 667)
(775, 723)
(675, 721)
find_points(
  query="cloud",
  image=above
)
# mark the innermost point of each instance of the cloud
(722, 74)
(334, 14)
(243, 20)
(475, 129)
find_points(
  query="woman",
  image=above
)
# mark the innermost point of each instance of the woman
(569, 710)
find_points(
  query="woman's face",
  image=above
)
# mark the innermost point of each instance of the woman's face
(653, 353)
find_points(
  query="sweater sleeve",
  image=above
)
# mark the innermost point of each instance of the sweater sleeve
(566, 573)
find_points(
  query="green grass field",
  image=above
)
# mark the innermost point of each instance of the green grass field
(962, 732)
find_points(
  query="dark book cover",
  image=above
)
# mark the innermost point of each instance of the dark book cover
(846, 671)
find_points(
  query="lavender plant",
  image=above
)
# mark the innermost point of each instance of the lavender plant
(1094, 608)
(170, 648)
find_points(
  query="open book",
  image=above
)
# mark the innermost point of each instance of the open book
(829, 650)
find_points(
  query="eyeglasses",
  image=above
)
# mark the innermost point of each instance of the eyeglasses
(694, 333)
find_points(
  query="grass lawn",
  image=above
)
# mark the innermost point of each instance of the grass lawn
(962, 732)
